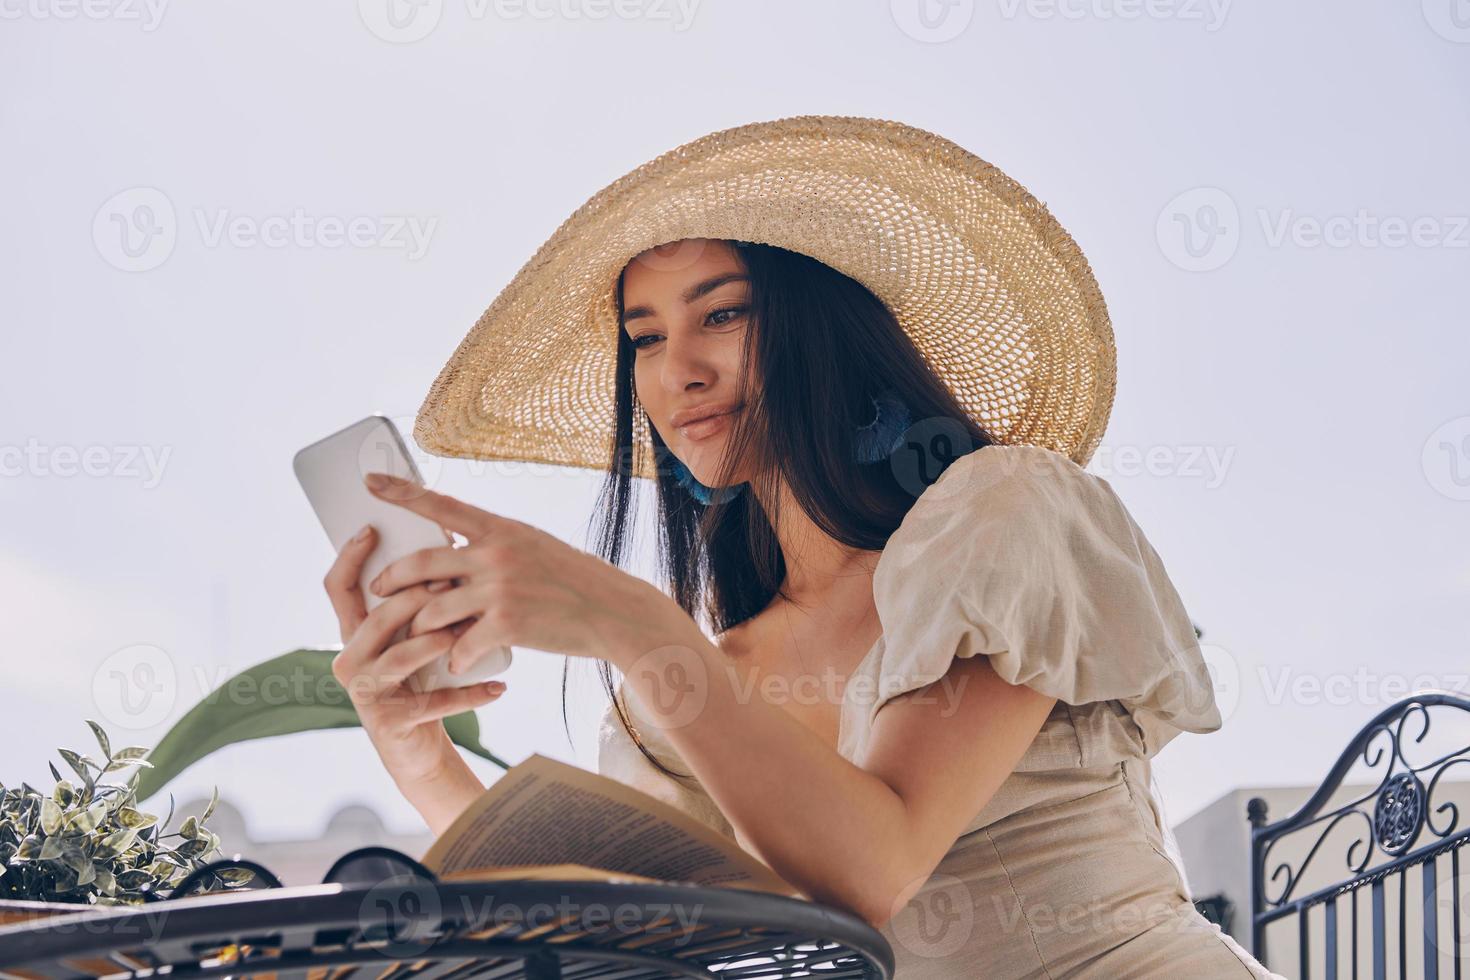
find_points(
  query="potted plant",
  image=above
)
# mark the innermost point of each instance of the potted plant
(86, 843)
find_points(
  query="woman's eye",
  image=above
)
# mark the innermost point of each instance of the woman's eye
(714, 316)
(727, 309)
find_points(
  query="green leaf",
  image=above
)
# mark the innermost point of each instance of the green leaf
(193, 848)
(50, 849)
(50, 816)
(78, 763)
(209, 810)
(115, 843)
(136, 819)
(106, 883)
(295, 692)
(133, 755)
(189, 830)
(64, 793)
(134, 879)
(88, 820)
(102, 741)
(119, 764)
(77, 860)
(236, 876)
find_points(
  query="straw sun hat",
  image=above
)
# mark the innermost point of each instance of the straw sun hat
(992, 290)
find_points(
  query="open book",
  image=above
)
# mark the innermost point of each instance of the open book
(546, 819)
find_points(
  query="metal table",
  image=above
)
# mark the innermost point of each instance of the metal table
(427, 930)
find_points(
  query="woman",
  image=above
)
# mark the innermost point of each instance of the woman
(847, 525)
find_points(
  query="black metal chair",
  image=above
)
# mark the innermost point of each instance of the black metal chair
(381, 909)
(1399, 824)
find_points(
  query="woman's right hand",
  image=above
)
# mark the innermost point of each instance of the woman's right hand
(404, 722)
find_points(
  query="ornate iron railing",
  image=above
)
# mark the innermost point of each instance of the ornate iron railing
(1399, 823)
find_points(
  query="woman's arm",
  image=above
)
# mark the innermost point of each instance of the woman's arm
(444, 792)
(863, 838)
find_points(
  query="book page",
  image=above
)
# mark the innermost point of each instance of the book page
(547, 812)
(547, 872)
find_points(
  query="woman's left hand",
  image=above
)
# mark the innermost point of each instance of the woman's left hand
(523, 587)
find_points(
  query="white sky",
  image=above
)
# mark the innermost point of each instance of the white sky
(1328, 379)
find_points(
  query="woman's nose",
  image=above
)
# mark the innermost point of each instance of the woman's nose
(685, 362)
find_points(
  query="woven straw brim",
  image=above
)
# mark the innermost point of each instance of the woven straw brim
(994, 292)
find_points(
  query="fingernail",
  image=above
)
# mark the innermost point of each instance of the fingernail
(362, 534)
(495, 685)
(453, 667)
(440, 585)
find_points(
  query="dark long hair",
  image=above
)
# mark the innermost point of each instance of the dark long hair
(821, 344)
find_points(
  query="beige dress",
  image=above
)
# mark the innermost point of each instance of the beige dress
(1019, 554)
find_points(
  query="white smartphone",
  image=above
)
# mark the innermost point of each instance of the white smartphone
(331, 471)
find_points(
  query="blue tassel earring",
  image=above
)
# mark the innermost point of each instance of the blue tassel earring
(872, 442)
(879, 438)
(698, 490)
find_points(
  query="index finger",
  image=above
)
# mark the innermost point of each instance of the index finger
(449, 513)
(343, 580)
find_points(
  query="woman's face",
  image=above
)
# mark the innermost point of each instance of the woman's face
(685, 310)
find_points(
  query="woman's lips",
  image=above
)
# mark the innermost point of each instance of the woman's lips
(705, 427)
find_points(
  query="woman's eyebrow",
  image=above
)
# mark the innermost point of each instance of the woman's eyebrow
(691, 294)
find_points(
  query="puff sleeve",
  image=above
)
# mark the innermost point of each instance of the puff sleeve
(1018, 553)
